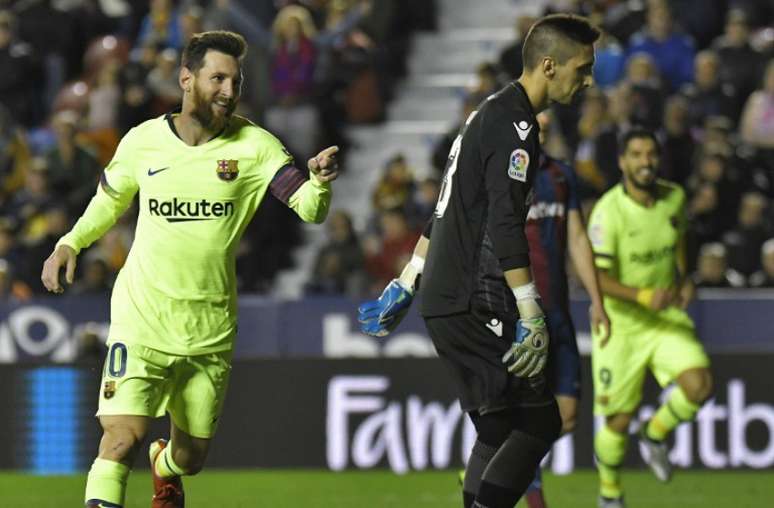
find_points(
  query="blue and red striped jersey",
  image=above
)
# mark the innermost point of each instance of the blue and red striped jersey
(555, 194)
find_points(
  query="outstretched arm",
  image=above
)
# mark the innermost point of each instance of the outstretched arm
(312, 199)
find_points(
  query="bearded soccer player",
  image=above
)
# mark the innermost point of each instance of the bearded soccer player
(637, 231)
(480, 305)
(201, 173)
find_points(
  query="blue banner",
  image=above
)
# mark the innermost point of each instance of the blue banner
(61, 330)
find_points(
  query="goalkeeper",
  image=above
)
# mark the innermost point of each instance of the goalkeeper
(479, 302)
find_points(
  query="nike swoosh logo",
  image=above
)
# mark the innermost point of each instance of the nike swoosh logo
(151, 172)
(523, 133)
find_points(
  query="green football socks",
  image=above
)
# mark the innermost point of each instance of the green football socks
(165, 465)
(106, 482)
(675, 410)
(610, 448)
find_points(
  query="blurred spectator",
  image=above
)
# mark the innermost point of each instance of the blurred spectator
(396, 186)
(646, 92)
(386, 257)
(27, 207)
(191, 23)
(486, 81)
(757, 124)
(293, 118)
(423, 204)
(12, 259)
(701, 19)
(671, 49)
(609, 61)
(744, 242)
(163, 82)
(740, 65)
(16, 62)
(594, 128)
(713, 271)
(135, 104)
(39, 242)
(162, 25)
(74, 171)
(707, 95)
(764, 278)
(339, 268)
(510, 59)
(105, 97)
(443, 146)
(679, 146)
(712, 168)
(623, 18)
(94, 278)
(704, 220)
(15, 156)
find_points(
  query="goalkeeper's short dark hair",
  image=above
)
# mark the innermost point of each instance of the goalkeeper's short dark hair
(557, 36)
(230, 43)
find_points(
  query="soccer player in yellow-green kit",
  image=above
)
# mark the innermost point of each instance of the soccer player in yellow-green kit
(201, 173)
(637, 233)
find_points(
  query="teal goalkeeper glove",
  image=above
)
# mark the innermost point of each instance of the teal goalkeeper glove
(529, 352)
(379, 317)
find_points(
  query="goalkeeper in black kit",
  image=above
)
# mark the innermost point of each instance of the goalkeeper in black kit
(479, 302)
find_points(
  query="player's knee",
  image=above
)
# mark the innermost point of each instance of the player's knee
(120, 442)
(697, 385)
(619, 423)
(704, 387)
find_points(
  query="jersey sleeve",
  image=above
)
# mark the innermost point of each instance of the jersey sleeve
(116, 189)
(603, 234)
(506, 162)
(306, 196)
(272, 154)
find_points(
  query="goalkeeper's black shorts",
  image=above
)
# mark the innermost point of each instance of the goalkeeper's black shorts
(471, 345)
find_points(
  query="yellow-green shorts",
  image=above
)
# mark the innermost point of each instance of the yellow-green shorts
(667, 349)
(138, 380)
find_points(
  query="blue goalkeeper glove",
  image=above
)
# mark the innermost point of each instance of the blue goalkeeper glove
(529, 352)
(380, 317)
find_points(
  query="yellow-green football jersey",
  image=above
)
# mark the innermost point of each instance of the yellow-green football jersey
(177, 290)
(638, 246)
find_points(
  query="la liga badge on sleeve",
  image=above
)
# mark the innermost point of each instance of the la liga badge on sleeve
(518, 164)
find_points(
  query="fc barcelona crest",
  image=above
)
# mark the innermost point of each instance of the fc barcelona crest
(109, 389)
(228, 169)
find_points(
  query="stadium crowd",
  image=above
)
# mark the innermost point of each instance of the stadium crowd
(78, 74)
(699, 73)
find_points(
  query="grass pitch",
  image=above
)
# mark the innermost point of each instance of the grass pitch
(380, 489)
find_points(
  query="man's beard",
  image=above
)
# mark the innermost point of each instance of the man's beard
(204, 114)
(648, 185)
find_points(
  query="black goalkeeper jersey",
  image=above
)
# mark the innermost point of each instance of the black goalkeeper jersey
(477, 231)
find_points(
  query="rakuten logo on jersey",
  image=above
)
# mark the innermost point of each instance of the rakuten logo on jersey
(178, 210)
